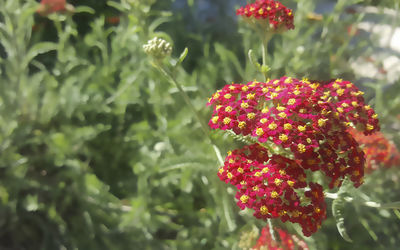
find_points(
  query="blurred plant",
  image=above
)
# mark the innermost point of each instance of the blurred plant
(379, 151)
(286, 241)
(99, 152)
(51, 6)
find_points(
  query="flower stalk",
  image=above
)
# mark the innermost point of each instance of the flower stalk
(158, 49)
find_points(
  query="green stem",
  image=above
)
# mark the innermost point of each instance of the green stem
(265, 40)
(197, 115)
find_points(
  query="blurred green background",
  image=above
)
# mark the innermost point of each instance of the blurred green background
(99, 151)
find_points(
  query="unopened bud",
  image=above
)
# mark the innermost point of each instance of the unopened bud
(158, 48)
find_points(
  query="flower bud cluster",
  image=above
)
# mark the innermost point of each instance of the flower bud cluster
(378, 150)
(158, 48)
(277, 15)
(274, 187)
(286, 242)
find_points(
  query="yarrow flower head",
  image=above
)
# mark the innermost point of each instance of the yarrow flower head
(158, 48)
(268, 14)
(307, 121)
(286, 241)
(274, 187)
(378, 150)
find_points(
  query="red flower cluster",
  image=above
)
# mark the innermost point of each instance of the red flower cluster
(275, 187)
(51, 6)
(287, 241)
(275, 12)
(304, 120)
(379, 151)
(113, 20)
(307, 119)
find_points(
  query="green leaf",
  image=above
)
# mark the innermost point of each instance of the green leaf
(391, 205)
(183, 55)
(253, 60)
(123, 7)
(84, 9)
(157, 22)
(186, 180)
(337, 210)
(37, 49)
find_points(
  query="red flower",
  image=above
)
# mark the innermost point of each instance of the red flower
(306, 119)
(303, 120)
(113, 20)
(379, 151)
(275, 13)
(273, 186)
(51, 6)
(286, 241)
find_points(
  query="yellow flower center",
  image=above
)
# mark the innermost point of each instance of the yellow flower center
(322, 122)
(274, 194)
(287, 126)
(283, 137)
(282, 115)
(228, 109)
(291, 101)
(227, 120)
(301, 148)
(242, 124)
(244, 198)
(250, 96)
(301, 128)
(258, 174)
(340, 92)
(244, 105)
(272, 126)
(288, 80)
(251, 116)
(280, 108)
(263, 210)
(273, 95)
(278, 181)
(370, 127)
(227, 96)
(259, 132)
(215, 119)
